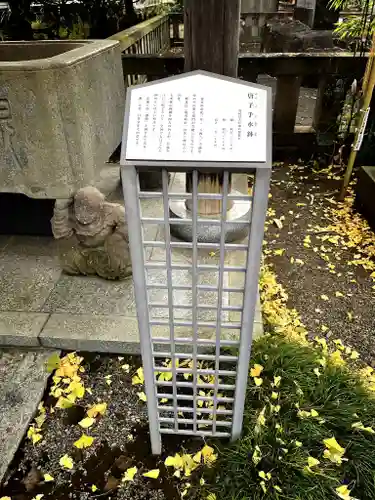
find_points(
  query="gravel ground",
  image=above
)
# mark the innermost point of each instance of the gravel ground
(121, 441)
(306, 200)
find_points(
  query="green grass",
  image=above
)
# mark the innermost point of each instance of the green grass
(339, 400)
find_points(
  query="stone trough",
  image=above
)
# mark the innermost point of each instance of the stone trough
(61, 112)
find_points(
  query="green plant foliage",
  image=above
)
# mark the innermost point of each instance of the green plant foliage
(282, 452)
(353, 26)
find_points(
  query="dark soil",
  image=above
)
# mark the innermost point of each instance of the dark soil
(350, 317)
(121, 441)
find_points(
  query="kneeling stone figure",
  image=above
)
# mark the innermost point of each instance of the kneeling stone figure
(93, 235)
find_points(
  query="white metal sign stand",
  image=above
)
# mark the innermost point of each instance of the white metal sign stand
(196, 122)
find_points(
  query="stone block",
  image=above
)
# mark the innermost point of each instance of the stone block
(61, 114)
(91, 295)
(287, 35)
(21, 329)
(23, 378)
(29, 270)
(365, 194)
(85, 332)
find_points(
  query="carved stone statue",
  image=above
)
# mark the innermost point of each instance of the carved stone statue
(93, 235)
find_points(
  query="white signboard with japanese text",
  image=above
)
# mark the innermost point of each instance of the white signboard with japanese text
(199, 118)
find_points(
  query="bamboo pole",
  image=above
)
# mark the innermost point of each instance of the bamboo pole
(367, 91)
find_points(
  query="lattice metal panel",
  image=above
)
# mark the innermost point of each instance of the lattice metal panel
(195, 356)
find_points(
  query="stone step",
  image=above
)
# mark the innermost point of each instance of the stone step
(23, 378)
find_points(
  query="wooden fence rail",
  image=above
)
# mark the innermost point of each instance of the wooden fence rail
(289, 69)
(147, 56)
(149, 37)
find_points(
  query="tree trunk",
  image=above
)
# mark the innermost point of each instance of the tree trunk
(211, 44)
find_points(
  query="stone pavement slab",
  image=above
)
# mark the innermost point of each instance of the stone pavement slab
(91, 295)
(21, 328)
(23, 380)
(85, 332)
(29, 270)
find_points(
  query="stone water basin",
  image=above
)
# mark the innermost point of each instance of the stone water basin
(61, 114)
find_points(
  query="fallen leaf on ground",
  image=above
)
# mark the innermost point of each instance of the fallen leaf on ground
(256, 370)
(153, 474)
(139, 378)
(142, 396)
(324, 297)
(48, 478)
(66, 461)
(86, 422)
(83, 442)
(278, 223)
(97, 409)
(129, 474)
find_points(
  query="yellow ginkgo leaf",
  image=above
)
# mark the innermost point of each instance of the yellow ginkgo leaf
(129, 474)
(211, 496)
(207, 451)
(142, 396)
(97, 409)
(208, 455)
(83, 442)
(324, 297)
(197, 457)
(279, 251)
(344, 492)
(5, 498)
(258, 381)
(139, 378)
(86, 422)
(312, 462)
(153, 474)
(339, 294)
(63, 403)
(38, 497)
(94, 488)
(256, 370)
(169, 461)
(66, 461)
(34, 434)
(48, 478)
